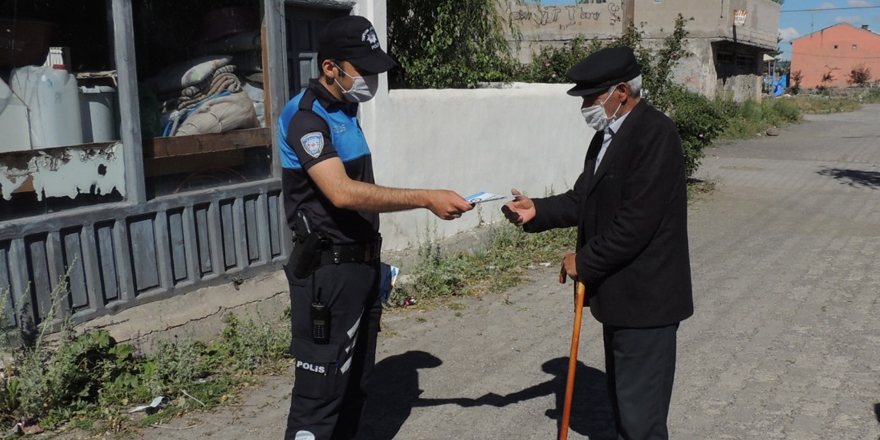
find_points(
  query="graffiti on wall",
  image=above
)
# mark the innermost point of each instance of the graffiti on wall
(563, 17)
(615, 11)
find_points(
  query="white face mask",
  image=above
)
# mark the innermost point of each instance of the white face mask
(363, 88)
(595, 115)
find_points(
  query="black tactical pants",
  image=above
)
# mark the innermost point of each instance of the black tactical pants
(330, 378)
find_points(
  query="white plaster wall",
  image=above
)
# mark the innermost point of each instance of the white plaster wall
(526, 136)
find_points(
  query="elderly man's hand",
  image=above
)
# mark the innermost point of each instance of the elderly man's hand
(519, 211)
(569, 266)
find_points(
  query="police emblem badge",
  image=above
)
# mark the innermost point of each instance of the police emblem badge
(313, 143)
(369, 36)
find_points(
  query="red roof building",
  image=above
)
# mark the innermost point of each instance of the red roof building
(826, 58)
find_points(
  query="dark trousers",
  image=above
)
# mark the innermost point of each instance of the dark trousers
(330, 378)
(640, 364)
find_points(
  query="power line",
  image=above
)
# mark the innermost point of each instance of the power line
(812, 54)
(831, 9)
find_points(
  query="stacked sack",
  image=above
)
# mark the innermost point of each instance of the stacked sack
(204, 96)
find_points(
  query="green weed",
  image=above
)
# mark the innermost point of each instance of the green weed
(500, 263)
(826, 104)
(872, 96)
(744, 120)
(88, 379)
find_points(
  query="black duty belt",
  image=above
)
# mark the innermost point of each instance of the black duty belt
(352, 253)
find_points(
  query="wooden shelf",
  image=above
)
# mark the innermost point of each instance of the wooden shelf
(206, 143)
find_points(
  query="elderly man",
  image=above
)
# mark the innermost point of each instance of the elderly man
(630, 207)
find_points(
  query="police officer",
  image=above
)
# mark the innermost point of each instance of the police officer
(630, 207)
(333, 205)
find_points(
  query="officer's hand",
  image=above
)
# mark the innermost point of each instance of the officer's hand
(447, 205)
(519, 211)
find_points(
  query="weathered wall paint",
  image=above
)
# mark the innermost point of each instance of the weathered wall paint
(65, 172)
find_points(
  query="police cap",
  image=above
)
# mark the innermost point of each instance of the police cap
(352, 38)
(603, 69)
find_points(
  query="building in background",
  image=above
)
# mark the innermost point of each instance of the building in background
(828, 57)
(728, 38)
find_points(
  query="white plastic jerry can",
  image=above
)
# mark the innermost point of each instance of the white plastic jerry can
(52, 98)
(14, 130)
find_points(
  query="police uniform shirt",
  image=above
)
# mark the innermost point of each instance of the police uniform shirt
(306, 138)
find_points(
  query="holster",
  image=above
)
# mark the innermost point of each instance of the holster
(307, 246)
(307, 253)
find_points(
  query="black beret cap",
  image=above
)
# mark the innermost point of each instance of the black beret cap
(352, 38)
(603, 69)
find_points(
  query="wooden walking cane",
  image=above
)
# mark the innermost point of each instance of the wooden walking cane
(580, 292)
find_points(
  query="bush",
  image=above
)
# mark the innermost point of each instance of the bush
(699, 123)
(447, 43)
(551, 63)
(749, 118)
(859, 75)
(785, 111)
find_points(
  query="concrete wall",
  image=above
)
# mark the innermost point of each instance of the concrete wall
(838, 50)
(736, 74)
(553, 25)
(712, 19)
(526, 136)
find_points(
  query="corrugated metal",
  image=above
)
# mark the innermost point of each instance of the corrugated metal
(118, 258)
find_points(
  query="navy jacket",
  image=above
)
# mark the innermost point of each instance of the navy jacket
(632, 224)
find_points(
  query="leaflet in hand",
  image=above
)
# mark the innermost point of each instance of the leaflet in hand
(483, 196)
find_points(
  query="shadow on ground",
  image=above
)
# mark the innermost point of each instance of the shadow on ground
(591, 414)
(394, 392)
(877, 411)
(854, 178)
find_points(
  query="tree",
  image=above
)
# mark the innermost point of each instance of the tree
(827, 78)
(796, 78)
(860, 75)
(447, 43)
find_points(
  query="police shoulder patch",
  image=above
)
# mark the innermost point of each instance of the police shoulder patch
(313, 143)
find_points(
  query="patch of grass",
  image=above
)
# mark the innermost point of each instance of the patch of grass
(456, 306)
(744, 120)
(88, 380)
(495, 266)
(697, 188)
(826, 105)
(871, 96)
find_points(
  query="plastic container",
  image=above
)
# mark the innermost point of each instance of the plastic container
(98, 111)
(52, 98)
(13, 122)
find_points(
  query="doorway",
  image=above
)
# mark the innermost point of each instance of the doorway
(304, 25)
